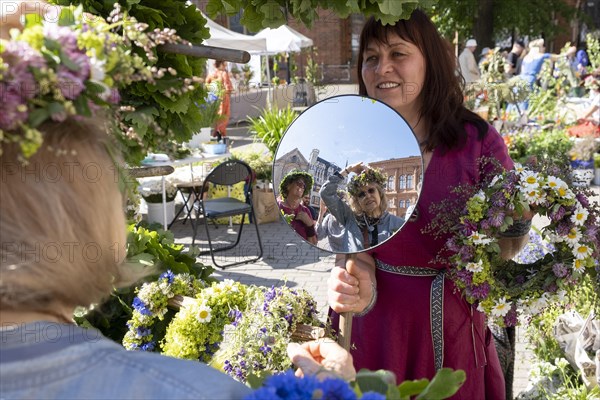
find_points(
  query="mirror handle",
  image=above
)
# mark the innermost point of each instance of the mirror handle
(345, 320)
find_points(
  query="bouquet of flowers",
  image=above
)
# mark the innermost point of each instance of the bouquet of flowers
(499, 286)
(257, 340)
(151, 190)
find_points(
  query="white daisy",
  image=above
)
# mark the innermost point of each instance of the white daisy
(580, 216)
(573, 236)
(479, 238)
(578, 266)
(554, 183)
(495, 179)
(501, 308)
(530, 179)
(564, 192)
(474, 267)
(519, 168)
(204, 314)
(581, 251)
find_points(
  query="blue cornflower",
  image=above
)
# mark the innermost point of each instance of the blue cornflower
(265, 349)
(270, 294)
(263, 329)
(336, 389)
(227, 367)
(142, 331)
(169, 276)
(148, 346)
(289, 386)
(141, 307)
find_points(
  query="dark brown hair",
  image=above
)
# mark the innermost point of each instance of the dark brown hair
(442, 97)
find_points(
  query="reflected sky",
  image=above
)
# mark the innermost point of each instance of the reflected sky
(349, 129)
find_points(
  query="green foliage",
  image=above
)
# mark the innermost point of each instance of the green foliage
(259, 14)
(549, 146)
(164, 110)
(270, 126)
(149, 253)
(261, 163)
(593, 50)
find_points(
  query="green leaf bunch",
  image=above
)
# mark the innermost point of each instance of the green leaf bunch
(271, 125)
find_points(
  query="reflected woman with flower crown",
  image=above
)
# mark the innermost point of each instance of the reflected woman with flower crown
(365, 219)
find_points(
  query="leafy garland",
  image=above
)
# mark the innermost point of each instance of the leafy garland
(164, 109)
(499, 287)
(368, 175)
(292, 176)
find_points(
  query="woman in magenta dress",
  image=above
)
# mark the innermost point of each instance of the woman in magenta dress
(292, 188)
(414, 321)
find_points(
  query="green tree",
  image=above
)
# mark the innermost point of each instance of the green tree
(492, 20)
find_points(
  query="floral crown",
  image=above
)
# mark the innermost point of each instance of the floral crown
(292, 176)
(369, 175)
(71, 67)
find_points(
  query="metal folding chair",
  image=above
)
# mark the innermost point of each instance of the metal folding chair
(227, 173)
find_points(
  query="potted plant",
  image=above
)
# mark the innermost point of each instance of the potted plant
(151, 190)
(270, 126)
(582, 161)
(597, 169)
(208, 111)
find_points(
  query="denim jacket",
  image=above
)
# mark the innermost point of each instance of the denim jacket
(46, 360)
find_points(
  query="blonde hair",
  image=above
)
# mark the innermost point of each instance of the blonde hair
(355, 204)
(62, 225)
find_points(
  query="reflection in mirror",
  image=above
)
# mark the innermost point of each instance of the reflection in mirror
(348, 173)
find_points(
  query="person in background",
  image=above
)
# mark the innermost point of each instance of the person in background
(364, 216)
(221, 75)
(293, 187)
(401, 329)
(515, 58)
(468, 66)
(313, 211)
(482, 57)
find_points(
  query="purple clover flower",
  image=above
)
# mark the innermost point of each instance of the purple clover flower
(510, 319)
(557, 215)
(560, 270)
(480, 292)
(466, 253)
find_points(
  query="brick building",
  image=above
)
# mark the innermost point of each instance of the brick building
(404, 181)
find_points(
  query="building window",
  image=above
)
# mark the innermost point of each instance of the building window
(409, 181)
(391, 203)
(391, 183)
(407, 203)
(401, 204)
(402, 182)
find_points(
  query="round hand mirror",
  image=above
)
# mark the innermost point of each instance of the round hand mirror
(347, 173)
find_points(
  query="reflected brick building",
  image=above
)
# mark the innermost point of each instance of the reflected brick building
(404, 178)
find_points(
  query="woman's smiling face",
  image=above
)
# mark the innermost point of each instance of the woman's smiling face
(394, 73)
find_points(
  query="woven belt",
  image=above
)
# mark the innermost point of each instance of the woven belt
(436, 301)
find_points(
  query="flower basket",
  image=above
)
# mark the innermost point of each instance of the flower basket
(151, 190)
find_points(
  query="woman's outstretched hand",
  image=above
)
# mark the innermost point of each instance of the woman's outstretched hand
(351, 282)
(323, 358)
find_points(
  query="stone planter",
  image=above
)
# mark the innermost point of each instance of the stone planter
(155, 212)
(582, 177)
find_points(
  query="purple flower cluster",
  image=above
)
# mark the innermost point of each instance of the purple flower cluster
(18, 84)
(74, 68)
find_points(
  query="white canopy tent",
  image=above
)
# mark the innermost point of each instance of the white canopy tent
(223, 37)
(284, 40)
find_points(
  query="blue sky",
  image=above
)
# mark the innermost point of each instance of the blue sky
(348, 129)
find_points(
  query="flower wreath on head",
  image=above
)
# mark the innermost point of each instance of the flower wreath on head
(73, 67)
(368, 175)
(293, 175)
(505, 289)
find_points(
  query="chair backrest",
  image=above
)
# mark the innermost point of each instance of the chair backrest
(229, 172)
